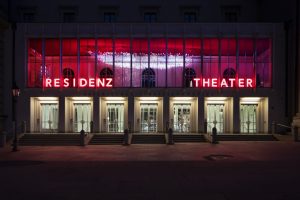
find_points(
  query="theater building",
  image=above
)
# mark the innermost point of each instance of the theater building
(151, 67)
(147, 78)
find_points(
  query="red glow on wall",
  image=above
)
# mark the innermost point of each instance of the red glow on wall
(174, 61)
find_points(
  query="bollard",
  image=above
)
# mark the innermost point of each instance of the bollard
(214, 135)
(82, 135)
(126, 134)
(295, 133)
(205, 126)
(273, 127)
(91, 127)
(170, 136)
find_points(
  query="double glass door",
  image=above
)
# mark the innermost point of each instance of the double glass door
(115, 117)
(49, 117)
(215, 117)
(248, 118)
(82, 117)
(182, 117)
(148, 118)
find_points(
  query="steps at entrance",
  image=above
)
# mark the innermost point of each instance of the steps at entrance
(148, 139)
(246, 137)
(189, 138)
(59, 139)
(101, 139)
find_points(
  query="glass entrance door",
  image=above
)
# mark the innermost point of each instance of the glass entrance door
(82, 116)
(115, 117)
(182, 117)
(49, 117)
(248, 118)
(148, 117)
(215, 117)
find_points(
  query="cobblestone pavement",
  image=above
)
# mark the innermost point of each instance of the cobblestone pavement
(224, 171)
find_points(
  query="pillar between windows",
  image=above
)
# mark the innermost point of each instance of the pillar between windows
(62, 119)
(201, 118)
(96, 113)
(131, 122)
(166, 113)
(236, 115)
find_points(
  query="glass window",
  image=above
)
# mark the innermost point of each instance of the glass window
(52, 59)
(228, 58)
(263, 62)
(158, 60)
(69, 16)
(175, 62)
(104, 55)
(192, 60)
(29, 17)
(210, 58)
(110, 17)
(122, 63)
(87, 58)
(68, 73)
(127, 60)
(139, 60)
(150, 17)
(231, 16)
(190, 17)
(148, 78)
(69, 58)
(246, 58)
(34, 63)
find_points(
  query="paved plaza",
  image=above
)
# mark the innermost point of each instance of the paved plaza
(224, 171)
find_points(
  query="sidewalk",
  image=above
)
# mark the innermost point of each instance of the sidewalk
(239, 150)
(224, 171)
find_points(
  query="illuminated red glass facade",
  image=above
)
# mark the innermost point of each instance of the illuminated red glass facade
(155, 62)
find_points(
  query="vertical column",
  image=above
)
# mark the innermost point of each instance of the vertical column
(166, 113)
(96, 114)
(62, 120)
(236, 115)
(131, 122)
(201, 117)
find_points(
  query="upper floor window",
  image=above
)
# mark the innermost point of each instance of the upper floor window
(150, 17)
(68, 14)
(190, 13)
(27, 14)
(231, 13)
(231, 16)
(150, 13)
(69, 17)
(109, 14)
(110, 17)
(28, 17)
(190, 17)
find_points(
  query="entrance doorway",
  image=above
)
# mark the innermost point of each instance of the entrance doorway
(148, 117)
(115, 117)
(215, 117)
(49, 117)
(82, 116)
(182, 117)
(248, 116)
